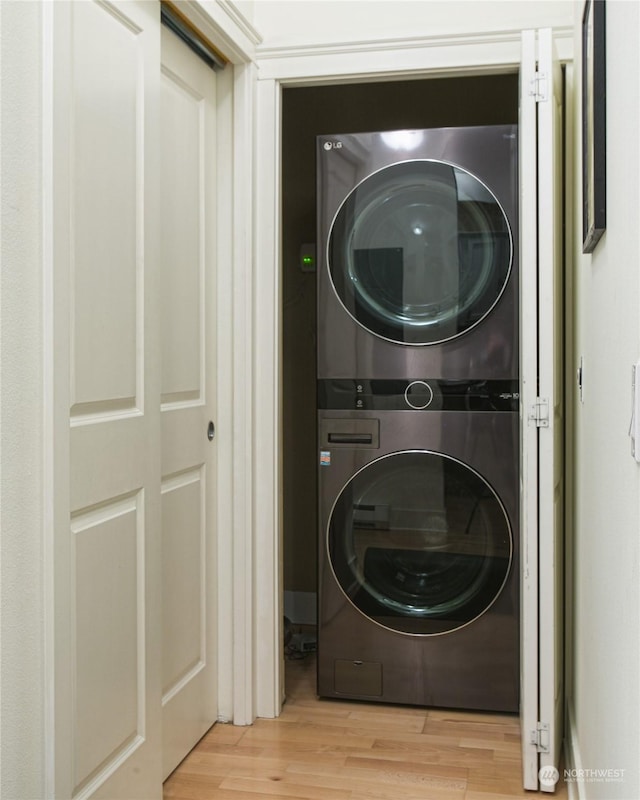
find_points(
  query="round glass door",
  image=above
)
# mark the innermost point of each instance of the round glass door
(420, 252)
(419, 543)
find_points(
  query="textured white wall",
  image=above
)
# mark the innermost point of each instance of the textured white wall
(284, 23)
(605, 705)
(21, 593)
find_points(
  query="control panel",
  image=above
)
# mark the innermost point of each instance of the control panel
(418, 395)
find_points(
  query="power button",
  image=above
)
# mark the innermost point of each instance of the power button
(418, 395)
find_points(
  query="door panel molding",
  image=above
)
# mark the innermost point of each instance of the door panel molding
(104, 713)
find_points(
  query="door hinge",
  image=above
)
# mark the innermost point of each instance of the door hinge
(539, 87)
(540, 737)
(540, 412)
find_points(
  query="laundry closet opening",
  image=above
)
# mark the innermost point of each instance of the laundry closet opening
(306, 113)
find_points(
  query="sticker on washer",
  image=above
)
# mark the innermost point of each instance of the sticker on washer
(325, 458)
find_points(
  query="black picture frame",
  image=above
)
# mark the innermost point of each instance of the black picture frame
(594, 165)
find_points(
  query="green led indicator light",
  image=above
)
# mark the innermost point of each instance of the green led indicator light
(307, 262)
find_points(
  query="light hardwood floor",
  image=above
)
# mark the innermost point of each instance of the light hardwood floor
(330, 750)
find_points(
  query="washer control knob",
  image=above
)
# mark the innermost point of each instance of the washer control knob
(418, 395)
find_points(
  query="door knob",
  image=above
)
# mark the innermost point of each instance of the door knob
(211, 431)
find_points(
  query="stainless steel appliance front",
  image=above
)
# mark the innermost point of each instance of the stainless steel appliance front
(418, 554)
(418, 414)
(418, 253)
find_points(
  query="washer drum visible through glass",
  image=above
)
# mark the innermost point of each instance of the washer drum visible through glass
(419, 542)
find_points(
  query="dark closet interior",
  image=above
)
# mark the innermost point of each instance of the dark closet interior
(306, 113)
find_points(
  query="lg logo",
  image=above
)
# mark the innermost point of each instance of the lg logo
(332, 145)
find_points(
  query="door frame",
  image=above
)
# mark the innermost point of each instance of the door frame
(429, 57)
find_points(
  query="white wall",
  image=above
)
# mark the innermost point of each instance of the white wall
(293, 23)
(605, 701)
(21, 593)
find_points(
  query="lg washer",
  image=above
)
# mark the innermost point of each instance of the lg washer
(418, 417)
(418, 546)
(418, 254)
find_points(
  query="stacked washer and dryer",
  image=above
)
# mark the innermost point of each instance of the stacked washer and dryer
(418, 417)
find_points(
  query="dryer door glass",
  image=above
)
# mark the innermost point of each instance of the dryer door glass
(420, 252)
(420, 543)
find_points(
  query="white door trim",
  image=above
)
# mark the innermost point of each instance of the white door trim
(227, 28)
(241, 547)
(493, 51)
(268, 408)
(308, 66)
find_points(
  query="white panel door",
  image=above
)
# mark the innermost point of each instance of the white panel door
(106, 540)
(541, 399)
(551, 435)
(528, 396)
(188, 391)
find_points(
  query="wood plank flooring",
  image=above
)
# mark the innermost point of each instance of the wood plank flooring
(331, 750)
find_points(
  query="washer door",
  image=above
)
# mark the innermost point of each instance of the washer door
(420, 252)
(419, 543)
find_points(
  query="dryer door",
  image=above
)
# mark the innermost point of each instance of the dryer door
(420, 252)
(420, 543)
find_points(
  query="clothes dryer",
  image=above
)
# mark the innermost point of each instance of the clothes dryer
(418, 546)
(418, 254)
